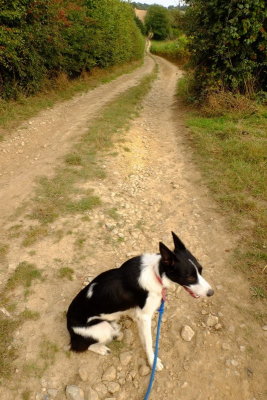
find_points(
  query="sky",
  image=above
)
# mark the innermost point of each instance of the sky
(165, 3)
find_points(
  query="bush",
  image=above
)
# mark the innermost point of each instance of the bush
(44, 38)
(228, 44)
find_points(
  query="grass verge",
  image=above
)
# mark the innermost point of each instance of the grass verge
(231, 150)
(13, 113)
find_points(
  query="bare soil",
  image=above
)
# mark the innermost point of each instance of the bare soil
(155, 187)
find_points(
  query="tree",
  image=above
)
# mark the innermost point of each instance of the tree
(157, 21)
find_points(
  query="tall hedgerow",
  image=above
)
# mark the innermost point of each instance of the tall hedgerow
(228, 43)
(41, 38)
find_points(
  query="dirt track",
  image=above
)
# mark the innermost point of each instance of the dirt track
(155, 187)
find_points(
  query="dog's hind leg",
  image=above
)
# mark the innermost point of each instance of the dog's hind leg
(102, 332)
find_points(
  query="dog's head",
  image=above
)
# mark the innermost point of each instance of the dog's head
(181, 266)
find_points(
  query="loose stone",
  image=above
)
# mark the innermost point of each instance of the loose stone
(125, 358)
(113, 387)
(83, 373)
(101, 389)
(52, 393)
(226, 346)
(212, 320)
(92, 394)
(144, 370)
(187, 333)
(109, 374)
(74, 393)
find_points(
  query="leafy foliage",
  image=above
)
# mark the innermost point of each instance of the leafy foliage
(228, 44)
(174, 50)
(157, 21)
(41, 38)
(140, 25)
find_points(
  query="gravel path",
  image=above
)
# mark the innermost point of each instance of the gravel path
(212, 349)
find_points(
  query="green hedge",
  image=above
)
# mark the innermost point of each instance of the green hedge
(228, 43)
(41, 38)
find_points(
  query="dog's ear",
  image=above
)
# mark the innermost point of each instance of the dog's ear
(178, 244)
(167, 256)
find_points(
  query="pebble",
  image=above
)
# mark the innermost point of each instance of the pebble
(125, 358)
(110, 226)
(113, 387)
(110, 374)
(101, 389)
(128, 336)
(83, 373)
(52, 393)
(212, 320)
(5, 312)
(264, 327)
(187, 333)
(123, 396)
(92, 394)
(234, 363)
(144, 370)
(74, 393)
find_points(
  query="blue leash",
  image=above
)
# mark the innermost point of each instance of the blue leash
(152, 376)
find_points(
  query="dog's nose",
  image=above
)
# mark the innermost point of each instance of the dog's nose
(210, 292)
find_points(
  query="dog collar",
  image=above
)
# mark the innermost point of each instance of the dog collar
(164, 290)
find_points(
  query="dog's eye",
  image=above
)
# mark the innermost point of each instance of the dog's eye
(191, 279)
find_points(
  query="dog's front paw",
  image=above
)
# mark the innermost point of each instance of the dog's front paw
(159, 365)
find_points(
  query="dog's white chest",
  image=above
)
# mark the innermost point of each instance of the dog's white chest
(152, 303)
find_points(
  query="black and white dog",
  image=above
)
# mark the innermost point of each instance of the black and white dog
(138, 285)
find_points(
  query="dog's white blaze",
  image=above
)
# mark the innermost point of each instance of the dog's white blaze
(90, 290)
(102, 332)
(192, 262)
(202, 287)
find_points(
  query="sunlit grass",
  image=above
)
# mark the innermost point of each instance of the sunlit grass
(232, 149)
